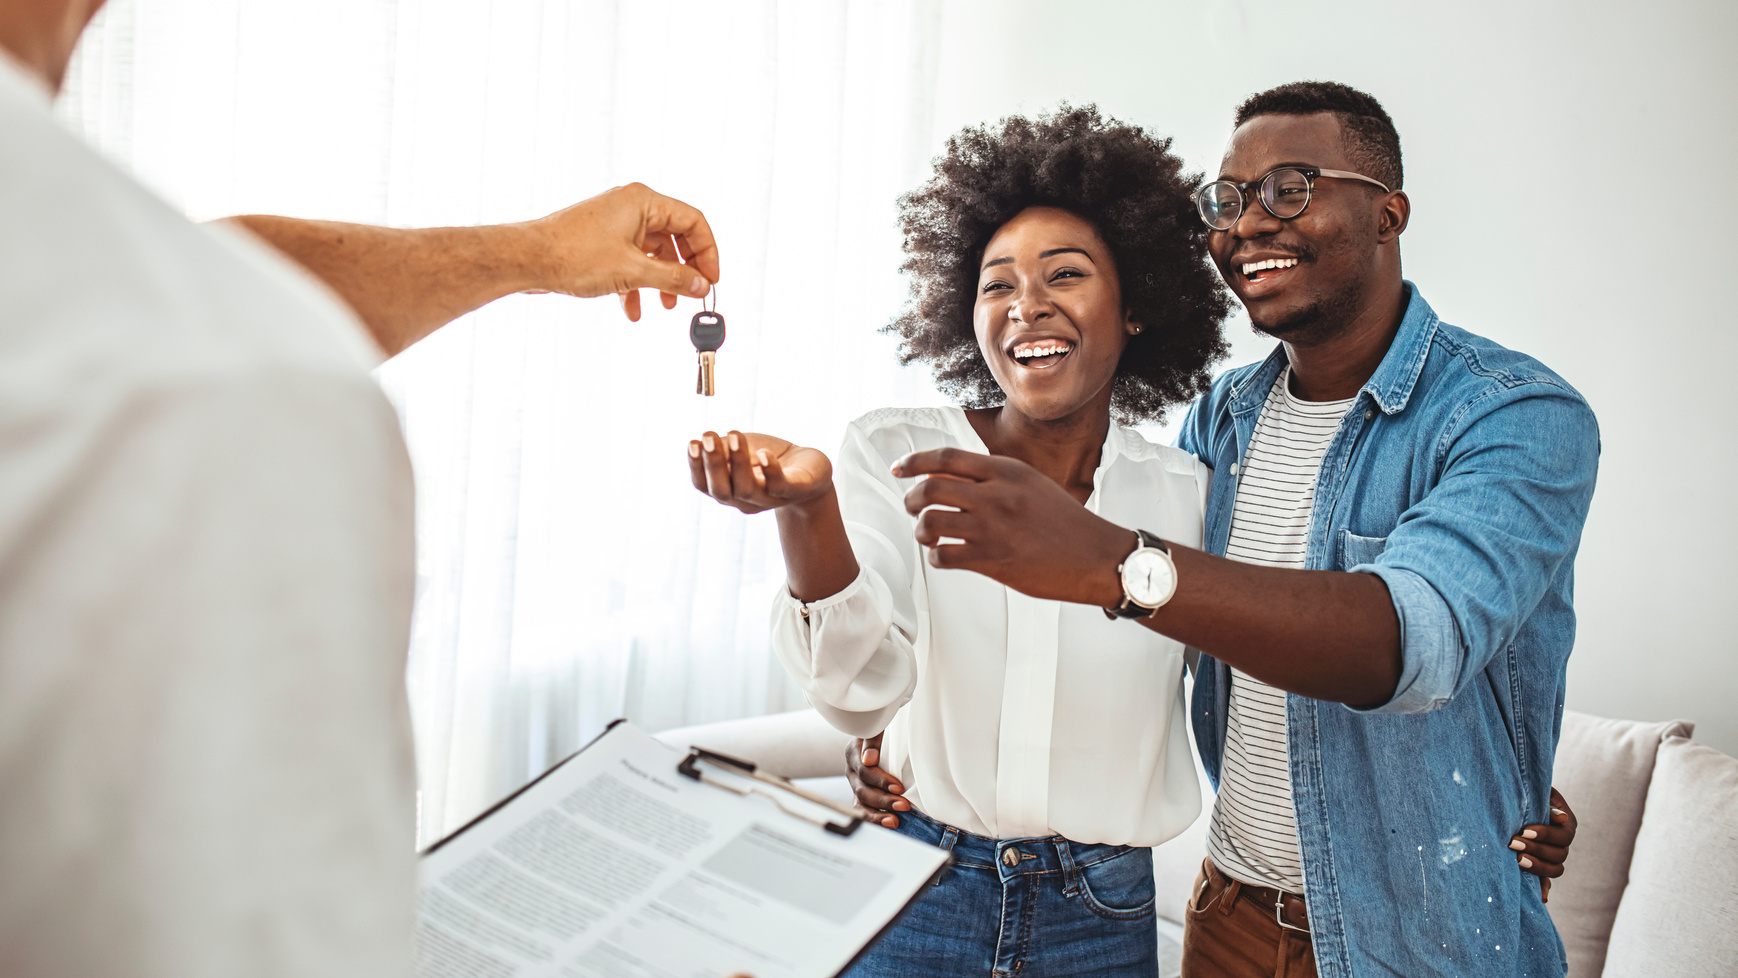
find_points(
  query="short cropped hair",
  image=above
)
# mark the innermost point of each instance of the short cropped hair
(1371, 139)
(1122, 180)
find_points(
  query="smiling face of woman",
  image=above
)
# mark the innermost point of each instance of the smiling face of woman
(1049, 315)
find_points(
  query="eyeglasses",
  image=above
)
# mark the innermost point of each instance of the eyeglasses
(1284, 193)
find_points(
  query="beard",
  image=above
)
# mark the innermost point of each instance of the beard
(1322, 318)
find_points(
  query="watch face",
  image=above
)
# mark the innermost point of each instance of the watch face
(1148, 578)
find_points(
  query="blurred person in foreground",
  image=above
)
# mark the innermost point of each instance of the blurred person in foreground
(206, 548)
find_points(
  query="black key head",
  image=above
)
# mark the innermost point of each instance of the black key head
(706, 329)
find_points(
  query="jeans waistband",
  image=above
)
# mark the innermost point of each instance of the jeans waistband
(1010, 857)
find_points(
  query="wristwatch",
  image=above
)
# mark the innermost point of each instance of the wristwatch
(1149, 579)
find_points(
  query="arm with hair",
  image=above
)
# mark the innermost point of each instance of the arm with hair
(406, 283)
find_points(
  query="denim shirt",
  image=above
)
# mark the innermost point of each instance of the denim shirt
(1461, 477)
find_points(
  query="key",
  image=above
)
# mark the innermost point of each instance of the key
(706, 330)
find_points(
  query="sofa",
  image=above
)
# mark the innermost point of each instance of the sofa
(1650, 888)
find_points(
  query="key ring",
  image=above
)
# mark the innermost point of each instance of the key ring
(712, 297)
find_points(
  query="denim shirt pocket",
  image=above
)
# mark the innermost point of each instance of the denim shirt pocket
(1355, 550)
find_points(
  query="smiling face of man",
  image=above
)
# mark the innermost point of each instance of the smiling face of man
(1302, 279)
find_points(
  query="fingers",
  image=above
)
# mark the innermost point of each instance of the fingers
(1544, 890)
(733, 468)
(955, 556)
(665, 276)
(717, 467)
(946, 461)
(697, 467)
(936, 524)
(772, 473)
(1544, 853)
(937, 491)
(861, 753)
(874, 788)
(667, 215)
(1540, 869)
(871, 750)
(745, 476)
(1542, 849)
(881, 800)
(1538, 858)
(731, 477)
(631, 304)
(664, 249)
(1551, 835)
(1563, 816)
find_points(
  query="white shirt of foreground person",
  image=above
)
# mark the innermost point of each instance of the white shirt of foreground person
(1005, 716)
(205, 585)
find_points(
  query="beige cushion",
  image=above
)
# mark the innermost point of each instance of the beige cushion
(1679, 916)
(1603, 770)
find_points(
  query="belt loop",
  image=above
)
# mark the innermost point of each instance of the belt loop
(1070, 872)
(1228, 902)
(950, 837)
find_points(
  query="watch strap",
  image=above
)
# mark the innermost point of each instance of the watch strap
(1126, 608)
(1152, 541)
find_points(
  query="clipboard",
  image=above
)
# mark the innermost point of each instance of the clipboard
(691, 768)
(631, 858)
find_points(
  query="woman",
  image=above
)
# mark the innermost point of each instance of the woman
(1059, 276)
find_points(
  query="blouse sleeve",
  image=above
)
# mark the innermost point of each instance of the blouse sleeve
(853, 653)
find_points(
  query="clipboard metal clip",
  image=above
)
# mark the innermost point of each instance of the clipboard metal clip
(690, 768)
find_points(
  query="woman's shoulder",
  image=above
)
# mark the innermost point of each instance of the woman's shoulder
(873, 442)
(1169, 459)
(896, 431)
(1170, 487)
(887, 435)
(939, 419)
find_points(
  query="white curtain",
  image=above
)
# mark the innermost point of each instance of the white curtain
(567, 573)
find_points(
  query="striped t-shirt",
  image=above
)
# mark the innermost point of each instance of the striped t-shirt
(1253, 836)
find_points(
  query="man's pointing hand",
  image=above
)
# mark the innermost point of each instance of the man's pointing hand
(1006, 520)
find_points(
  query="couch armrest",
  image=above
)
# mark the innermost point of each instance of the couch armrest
(798, 744)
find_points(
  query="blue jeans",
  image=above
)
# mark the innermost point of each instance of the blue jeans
(1062, 909)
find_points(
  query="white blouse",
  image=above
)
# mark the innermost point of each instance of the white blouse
(1005, 716)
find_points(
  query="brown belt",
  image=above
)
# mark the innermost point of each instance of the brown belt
(1287, 908)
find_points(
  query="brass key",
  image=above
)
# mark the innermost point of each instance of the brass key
(706, 330)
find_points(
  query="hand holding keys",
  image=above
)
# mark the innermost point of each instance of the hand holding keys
(706, 330)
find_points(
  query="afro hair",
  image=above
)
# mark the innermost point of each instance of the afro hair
(1121, 179)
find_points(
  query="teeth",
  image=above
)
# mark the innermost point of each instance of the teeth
(1042, 349)
(1250, 268)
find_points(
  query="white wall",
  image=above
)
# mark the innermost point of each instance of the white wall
(1536, 136)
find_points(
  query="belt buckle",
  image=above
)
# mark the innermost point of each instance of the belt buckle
(1279, 913)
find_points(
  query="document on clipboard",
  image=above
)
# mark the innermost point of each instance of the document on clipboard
(633, 860)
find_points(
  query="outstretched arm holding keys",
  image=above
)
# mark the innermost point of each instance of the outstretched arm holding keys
(407, 283)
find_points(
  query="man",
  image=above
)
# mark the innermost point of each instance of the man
(206, 550)
(1384, 606)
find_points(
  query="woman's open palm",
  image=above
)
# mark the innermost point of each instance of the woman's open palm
(754, 472)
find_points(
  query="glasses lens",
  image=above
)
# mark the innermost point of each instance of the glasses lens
(1285, 192)
(1219, 204)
